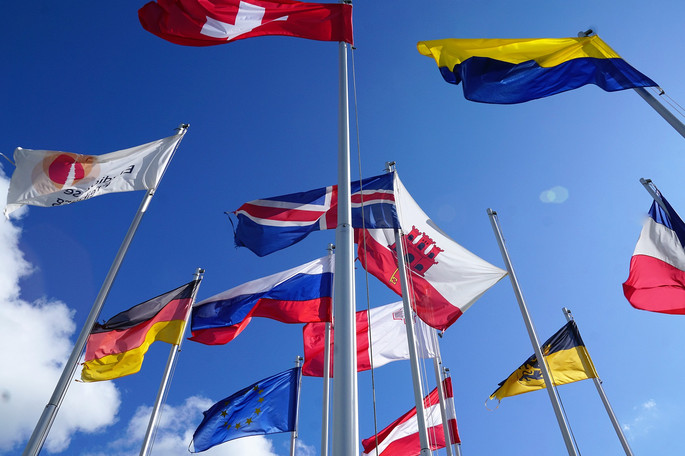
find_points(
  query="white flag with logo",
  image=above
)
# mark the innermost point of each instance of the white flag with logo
(52, 178)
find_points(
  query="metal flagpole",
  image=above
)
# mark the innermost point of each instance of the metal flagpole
(166, 377)
(661, 110)
(293, 436)
(651, 189)
(603, 396)
(457, 446)
(326, 379)
(44, 424)
(413, 355)
(345, 408)
(551, 390)
(437, 362)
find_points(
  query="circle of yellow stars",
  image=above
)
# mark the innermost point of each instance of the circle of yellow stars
(249, 420)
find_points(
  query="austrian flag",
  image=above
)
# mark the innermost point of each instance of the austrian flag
(210, 22)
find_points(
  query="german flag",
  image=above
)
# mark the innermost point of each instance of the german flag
(117, 347)
(567, 359)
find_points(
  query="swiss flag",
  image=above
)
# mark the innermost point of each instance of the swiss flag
(210, 22)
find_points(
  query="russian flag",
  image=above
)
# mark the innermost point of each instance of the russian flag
(271, 224)
(657, 269)
(299, 295)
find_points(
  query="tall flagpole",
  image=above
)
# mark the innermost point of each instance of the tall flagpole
(437, 363)
(661, 110)
(345, 410)
(411, 340)
(293, 435)
(551, 390)
(44, 424)
(326, 379)
(603, 396)
(166, 377)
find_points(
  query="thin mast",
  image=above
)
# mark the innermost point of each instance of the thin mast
(166, 377)
(44, 424)
(293, 436)
(413, 355)
(661, 110)
(551, 390)
(326, 379)
(603, 396)
(345, 417)
(437, 362)
(652, 190)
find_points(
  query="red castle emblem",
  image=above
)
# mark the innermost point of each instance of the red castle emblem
(421, 251)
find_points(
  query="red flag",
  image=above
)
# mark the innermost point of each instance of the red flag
(401, 437)
(210, 22)
(384, 326)
(445, 278)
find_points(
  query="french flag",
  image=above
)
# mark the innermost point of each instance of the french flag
(657, 269)
(299, 295)
(401, 437)
(271, 224)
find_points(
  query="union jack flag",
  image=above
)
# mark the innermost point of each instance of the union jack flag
(271, 224)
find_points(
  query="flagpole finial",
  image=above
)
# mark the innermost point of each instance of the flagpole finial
(586, 33)
(389, 166)
(182, 127)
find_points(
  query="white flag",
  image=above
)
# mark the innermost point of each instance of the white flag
(52, 178)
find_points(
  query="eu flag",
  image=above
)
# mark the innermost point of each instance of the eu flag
(266, 407)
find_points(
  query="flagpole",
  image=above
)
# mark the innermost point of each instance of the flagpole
(345, 409)
(437, 362)
(166, 377)
(293, 435)
(411, 340)
(457, 446)
(556, 405)
(602, 395)
(44, 424)
(651, 189)
(326, 379)
(661, 110)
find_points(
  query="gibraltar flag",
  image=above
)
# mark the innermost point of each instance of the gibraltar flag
(210, 22)
(383, 326)
(50, 178)
(445, 278)
(401, 437)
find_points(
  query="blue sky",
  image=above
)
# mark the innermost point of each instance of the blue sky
(85, 77)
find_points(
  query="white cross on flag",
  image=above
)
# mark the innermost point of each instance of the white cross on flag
(210, 22)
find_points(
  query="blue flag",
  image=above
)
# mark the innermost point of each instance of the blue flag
(266, 407)
(271, 224)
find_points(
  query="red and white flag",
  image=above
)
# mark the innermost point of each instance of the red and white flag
(210, 22)
(401, 437)
(384, 326)
(446, 279)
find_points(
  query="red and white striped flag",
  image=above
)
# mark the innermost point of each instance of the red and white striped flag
(401, 437)
(384, 326)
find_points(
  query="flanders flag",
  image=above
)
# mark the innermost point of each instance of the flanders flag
(567, 359)
(506, 71)
(117, 347)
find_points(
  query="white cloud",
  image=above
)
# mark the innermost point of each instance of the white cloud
(35, 341)
(175, 431)
(645, 419)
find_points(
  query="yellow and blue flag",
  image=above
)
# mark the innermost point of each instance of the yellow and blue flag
(507, 71)
(567, 359)
(266, 407)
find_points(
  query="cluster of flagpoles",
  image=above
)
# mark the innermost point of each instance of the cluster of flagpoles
(345, 435)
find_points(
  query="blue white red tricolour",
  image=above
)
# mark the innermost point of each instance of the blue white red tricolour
(271, 224)
(657, 269)
(299, 295)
